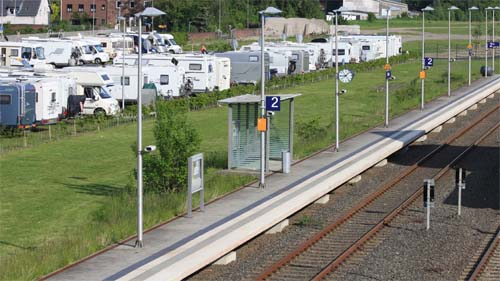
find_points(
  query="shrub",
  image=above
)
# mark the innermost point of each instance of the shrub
(310, 130)
(176, 140)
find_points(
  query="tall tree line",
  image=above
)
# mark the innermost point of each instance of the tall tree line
(203, 15)
(441, 8)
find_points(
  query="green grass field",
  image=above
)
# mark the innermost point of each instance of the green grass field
(61, 201)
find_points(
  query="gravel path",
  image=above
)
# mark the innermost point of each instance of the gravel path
(255, 256)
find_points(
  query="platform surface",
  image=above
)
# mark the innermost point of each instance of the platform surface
(175, 249)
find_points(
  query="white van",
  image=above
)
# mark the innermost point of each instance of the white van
(12, 53)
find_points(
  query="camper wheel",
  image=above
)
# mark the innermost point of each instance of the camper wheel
(171, 51)
(98, 61)
(99, 112)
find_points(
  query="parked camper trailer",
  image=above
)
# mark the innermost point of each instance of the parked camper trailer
(114, 44)
(17, 104)
(245, 66)
(57, 52)
(12, 53)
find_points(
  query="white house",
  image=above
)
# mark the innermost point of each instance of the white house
(25, 12)
(359, 9)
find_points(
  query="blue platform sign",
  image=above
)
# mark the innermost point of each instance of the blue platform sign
(428, 62)
(492, 44)
(273, 103)
(388, 74)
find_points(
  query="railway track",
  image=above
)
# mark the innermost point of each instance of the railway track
(488, 266)
(326, 250)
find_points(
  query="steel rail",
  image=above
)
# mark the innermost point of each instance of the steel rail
(358, 207)
(481, 265)
(365, 238)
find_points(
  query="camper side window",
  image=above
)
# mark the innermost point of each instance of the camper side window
(341, 52)
(125, 79)
(253, 58)
(53, 97)
(5, 99)
(164, 79)
(89, 92)
(366, 48)
(194, 66)
(14, 52)
(105, 77)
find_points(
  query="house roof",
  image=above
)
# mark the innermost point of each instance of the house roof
(25, 8)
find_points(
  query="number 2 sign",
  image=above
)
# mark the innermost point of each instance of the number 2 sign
(273, 103)
(428, 61)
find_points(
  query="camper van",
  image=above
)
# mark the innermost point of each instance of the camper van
(57, 52)
(92, 84)
(171, 45)
(246, 66)
(12, 53)
(17, 104)
(100, 55)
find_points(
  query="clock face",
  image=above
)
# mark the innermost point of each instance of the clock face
(345, 75)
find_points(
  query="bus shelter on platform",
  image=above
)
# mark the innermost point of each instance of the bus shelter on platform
(244, 138)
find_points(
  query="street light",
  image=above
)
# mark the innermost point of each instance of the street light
(120, 19)
(93, 17)
(422, 96)
(473, 8)
(336, 13)
(387, 63)
(148, 12)
(493, 38)
(486, 43)
(267, 11)
(452, 8)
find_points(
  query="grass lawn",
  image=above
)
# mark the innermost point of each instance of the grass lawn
(54, 193)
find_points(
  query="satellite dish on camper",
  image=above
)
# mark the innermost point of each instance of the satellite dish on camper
(234, 44)
(300, 38)
(283, 36)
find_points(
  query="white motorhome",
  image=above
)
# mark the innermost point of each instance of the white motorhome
(57, 52)
(169, 42)
(100, 55)
(92, 84)
(12, 53)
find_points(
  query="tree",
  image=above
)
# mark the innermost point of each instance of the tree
(176, 140)
(55, 10)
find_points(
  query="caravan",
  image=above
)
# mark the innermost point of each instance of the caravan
(245, 66)
(12, 53)
(17, 104)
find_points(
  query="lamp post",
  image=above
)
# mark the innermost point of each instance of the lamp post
(387, 63)
(422, 95)
(486, 43)
(120, 19)
(493, 38)
(452, 8)
(148, 12)
(267, 11)
(473, 8)
(93, 17)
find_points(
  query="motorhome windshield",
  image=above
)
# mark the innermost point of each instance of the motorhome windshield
(40, 53)
(99, 48)
(26, 53)
(103, 93)
(86, 49)
(172, 42)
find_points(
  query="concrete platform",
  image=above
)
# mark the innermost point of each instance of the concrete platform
(185, 245)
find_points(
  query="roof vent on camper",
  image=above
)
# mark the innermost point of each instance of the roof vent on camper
(300, 38)
(174, 61)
